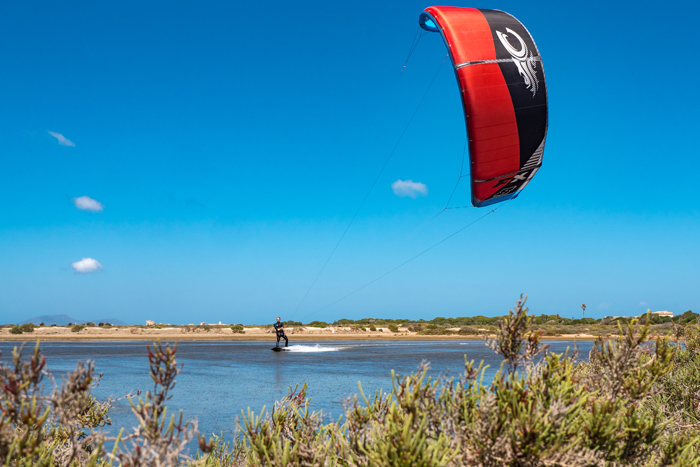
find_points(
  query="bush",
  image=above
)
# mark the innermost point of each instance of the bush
(237, 328)
(435, 332)
(77, 328)
(687, 318)
(343, 322)
(16, 330)
(318, 324)
(393, 328)
(90, 324)
(41, 325)
(372, 327)
(28, 327)
(46, 429)
(100, 324)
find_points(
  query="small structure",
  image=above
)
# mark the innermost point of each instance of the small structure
(150, 322)
(203, 323)
(663, 313)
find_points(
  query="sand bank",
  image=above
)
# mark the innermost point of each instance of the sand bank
(296, 334)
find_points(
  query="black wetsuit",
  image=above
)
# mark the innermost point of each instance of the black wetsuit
(279, 329)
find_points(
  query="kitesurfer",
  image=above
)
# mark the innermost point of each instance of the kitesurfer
(279, 329)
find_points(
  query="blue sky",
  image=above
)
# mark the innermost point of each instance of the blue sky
(230, 144)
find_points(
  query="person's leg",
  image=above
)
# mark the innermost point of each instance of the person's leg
(278, 341)
(286, 341)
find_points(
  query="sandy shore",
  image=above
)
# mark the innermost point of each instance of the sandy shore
(298, 334)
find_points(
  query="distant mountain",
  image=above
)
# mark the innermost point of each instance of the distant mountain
(62, 320)
(58, 320)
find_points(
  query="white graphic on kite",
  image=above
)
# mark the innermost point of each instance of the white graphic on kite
(523, 59)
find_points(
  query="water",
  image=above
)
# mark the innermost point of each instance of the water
(220, 379)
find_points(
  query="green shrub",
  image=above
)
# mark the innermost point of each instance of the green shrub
(90, 324)
(318, 324)
(16, 330)
(77, 328)
(435, 332)
(343, 322)
(28, 327)
(687, 318)
(237, 329)
(393, 328)
(372, 327)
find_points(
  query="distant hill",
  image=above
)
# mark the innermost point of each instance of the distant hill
(62, 320)
(58, 320)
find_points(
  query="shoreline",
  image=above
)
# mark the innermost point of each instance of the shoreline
(261, 338)
(295, 334)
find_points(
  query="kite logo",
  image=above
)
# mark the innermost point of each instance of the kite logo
(523, 59)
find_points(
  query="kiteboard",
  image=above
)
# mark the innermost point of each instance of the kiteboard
(280, 349)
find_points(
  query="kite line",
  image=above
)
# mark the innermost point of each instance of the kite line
(376, 179)
(459, 179)
(416, 39)
(408, 260)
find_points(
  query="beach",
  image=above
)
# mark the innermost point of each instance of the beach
(262, 333)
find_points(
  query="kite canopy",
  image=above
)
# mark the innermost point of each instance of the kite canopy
(504, 94)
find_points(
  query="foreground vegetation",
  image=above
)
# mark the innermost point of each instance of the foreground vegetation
(634, 402)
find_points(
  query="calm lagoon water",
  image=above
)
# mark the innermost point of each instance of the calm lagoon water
(220, 379)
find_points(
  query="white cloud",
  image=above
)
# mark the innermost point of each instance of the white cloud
(409, 188)
(604, 306)
(88, 204)
(62, 140)
(643, 304)
(86, 265)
